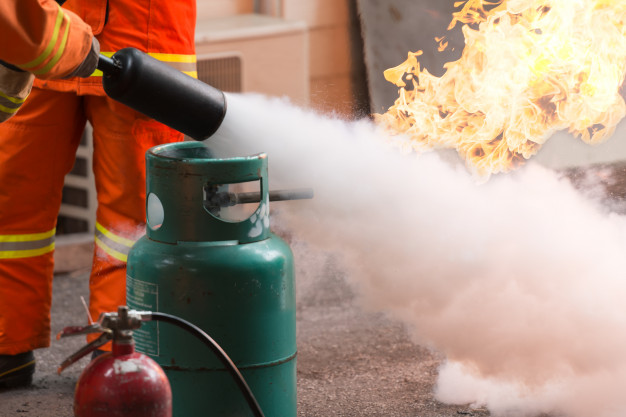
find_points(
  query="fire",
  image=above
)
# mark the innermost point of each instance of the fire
(529, 68)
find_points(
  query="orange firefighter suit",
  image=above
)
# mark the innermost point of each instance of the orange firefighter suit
(37, 149)
(29, 36)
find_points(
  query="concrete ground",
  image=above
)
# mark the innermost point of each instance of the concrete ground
(350, 363)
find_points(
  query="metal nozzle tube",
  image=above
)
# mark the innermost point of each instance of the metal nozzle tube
(226, 199)
(276, 195)
(109, 66)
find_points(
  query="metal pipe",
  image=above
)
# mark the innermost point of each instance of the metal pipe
(109, 66)
(226, 199)
(276, 195)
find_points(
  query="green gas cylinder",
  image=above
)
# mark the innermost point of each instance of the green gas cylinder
(232, 278)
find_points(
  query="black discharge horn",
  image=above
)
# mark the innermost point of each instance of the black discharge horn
(163, 93)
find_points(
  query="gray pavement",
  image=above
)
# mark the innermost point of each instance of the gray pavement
(350, 363)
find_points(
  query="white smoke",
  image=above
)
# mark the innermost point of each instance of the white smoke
(519, 281)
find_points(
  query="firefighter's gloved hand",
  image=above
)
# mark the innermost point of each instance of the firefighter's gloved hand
(89, 64)
(15, 86)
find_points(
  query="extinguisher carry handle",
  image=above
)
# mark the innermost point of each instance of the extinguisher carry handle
(113, 326)
(85, 350)
(80, 330)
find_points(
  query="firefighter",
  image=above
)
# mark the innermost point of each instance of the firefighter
(37, 148)
(29, 34)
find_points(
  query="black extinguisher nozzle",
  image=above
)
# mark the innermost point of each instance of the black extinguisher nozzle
(163, 93)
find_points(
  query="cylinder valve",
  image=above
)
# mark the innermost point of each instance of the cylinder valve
(121, 383)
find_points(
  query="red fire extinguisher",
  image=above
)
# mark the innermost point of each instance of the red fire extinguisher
(120, 383)
(125, 383)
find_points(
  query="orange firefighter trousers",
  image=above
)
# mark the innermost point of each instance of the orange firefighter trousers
(37, 149)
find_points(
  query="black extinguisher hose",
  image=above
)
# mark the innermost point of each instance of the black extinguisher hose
(219, 352)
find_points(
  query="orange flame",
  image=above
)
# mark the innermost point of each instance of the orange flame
(529, 68)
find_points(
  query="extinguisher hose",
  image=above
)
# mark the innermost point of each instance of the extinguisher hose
(219, 352)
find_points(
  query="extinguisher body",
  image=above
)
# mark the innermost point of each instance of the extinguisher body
(233, 279)
(162, 92)
(123, 383)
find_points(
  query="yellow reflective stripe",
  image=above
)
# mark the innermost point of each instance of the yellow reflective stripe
(114, 237)
(117, 255)
(9, 110)
(29, 253)
(27, 237)
(17, 368)
(13, 99)
(173, 57)
(55, 35)
(193, 74)
(59, 52)
(26, 245)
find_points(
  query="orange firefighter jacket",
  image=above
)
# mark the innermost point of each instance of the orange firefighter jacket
(40, 38)
(165, 29)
